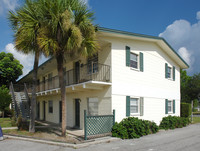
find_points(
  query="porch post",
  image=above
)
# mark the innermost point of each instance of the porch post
(85, 124)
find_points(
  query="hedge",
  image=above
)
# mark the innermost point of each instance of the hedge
(186, 109)
(132, 127)
(172, 122)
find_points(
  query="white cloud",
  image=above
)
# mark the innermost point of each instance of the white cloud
(26, 60)
(186, 55)
(198, 15)
(8, 5)
(87, 3)
(185, 37)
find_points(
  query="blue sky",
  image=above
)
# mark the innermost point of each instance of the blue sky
(178, 21)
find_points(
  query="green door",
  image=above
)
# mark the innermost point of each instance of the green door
(77, 113)
(60, 111)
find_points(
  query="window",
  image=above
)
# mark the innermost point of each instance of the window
(93, 106)
(169, 72)
(170, 106)
(134, 105)
(50, 106)
(134, 60)
(93, 64)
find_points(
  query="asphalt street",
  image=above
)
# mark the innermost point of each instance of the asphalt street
(183, 139)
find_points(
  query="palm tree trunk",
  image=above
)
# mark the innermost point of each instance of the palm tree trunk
(33, 100)
(60, 60)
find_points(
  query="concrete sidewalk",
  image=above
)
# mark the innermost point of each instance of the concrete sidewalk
(75, 146)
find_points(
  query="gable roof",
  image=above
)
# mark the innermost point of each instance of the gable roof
(159, 40)
(118, 33)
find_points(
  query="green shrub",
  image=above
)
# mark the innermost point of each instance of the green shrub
(172, 122)
(186, 109)
(22, 124)
(118, 130)
(132, 127)
(154, 128)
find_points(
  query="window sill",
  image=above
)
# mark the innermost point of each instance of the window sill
(135, 114)
(136, 69)
(170, 79)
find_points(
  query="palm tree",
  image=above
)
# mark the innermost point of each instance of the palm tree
(67, 29)
(25, 23)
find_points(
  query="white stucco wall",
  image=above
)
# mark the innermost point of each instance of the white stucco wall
(104, 105)
(150, 84)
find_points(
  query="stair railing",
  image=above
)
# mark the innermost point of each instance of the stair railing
(14, 100)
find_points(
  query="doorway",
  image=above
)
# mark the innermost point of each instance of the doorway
(77, 113)
(60, 111)
(44, 110)
(38, 110)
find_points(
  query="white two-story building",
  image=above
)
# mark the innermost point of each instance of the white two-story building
(137, 75)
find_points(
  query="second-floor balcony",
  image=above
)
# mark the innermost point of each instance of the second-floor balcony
(84, 73)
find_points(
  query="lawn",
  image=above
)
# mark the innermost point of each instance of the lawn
(5, 122)
(196, 120)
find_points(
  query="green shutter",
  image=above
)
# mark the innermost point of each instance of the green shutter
(127, 56)
(141, 106)
(127, 106)
(166, 106)
(141, 62)
(166, 67)
(174, 106)
(173, 73)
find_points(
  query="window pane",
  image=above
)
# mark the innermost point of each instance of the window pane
(169, 106)
(93, 106)
(169, 72)
(133, 64)
(134, 60)
(133, 57)
(50, 106)
(133, 102)
(134, 105)
(134, 109)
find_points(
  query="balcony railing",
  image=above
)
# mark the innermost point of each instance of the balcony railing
(84, 73)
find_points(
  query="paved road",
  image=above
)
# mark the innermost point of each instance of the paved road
(184, 139)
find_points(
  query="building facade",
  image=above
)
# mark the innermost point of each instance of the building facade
(137, 75)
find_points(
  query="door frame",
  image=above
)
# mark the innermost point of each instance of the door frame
(77, 112)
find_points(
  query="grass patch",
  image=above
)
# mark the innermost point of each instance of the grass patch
(5, 122)
(43, 133)
(196, 120)
(196, 113)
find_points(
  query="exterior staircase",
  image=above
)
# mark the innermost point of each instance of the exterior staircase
(20, 102)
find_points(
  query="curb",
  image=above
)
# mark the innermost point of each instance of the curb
(9, 128)
(75, 146)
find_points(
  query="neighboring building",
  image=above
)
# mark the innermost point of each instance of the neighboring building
(137, 75)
